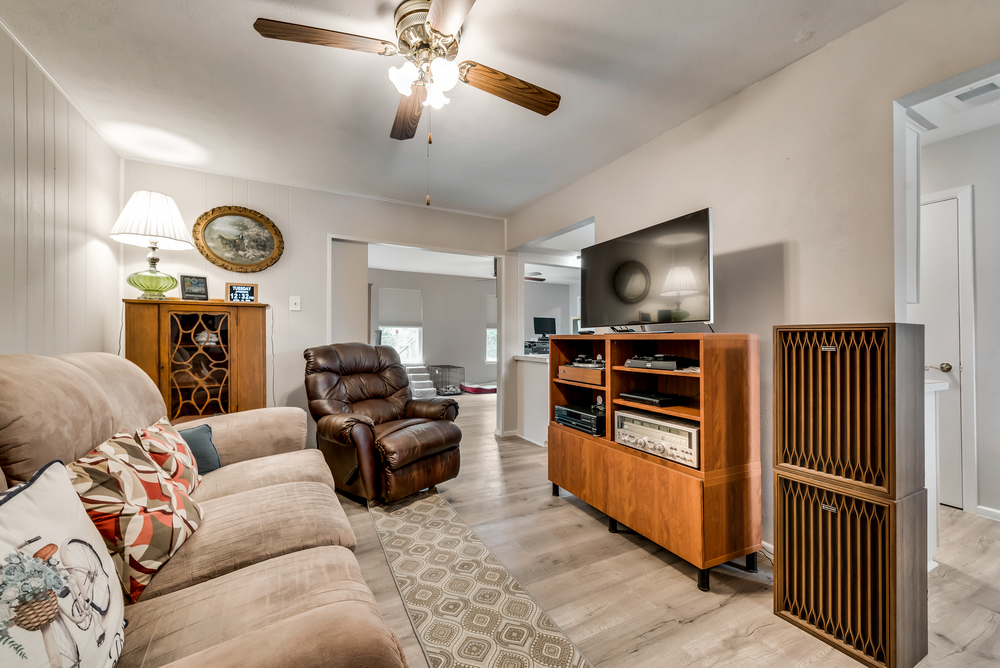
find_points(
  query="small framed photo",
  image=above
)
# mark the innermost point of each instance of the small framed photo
(245, 293)
(194, 287)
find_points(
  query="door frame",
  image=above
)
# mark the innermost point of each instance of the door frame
(964, 196)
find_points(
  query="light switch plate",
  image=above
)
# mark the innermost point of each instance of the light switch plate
(294, 303)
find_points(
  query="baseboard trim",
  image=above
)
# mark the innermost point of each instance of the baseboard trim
(988, 513)
(768, 547)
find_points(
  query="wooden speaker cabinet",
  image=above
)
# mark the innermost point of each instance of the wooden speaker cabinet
(851, 508)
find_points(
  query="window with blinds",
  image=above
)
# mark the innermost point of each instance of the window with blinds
(401, 321)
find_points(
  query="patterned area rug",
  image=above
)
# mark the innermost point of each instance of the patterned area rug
(467, 610)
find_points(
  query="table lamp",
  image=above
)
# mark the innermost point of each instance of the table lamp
(152, 220)
(680, 282)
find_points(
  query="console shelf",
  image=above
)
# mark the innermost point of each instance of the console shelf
(659, 372)
(686, 412)
(707, 515)
(589, 386)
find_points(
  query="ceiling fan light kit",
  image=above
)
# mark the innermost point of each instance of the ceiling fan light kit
(428, 33)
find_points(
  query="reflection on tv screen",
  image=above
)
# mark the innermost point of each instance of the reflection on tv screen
(661, 274)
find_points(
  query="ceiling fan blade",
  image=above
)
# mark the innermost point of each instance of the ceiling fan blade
(447, 16)
(294, 32)
(510, 88)
(408, 113)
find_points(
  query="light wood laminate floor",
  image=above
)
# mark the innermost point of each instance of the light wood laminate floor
(627, 602)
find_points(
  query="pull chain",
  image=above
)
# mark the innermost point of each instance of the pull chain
(430, 140)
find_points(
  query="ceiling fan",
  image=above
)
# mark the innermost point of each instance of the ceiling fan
(428, 33)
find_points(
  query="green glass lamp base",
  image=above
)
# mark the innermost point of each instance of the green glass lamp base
(153, 283)
(678, 315)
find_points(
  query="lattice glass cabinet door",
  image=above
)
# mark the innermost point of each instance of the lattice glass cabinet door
(200, 358)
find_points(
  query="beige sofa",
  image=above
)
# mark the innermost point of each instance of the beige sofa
(269, 579)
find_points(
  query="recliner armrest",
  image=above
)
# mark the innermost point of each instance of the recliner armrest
(340, 427)
(437, 408)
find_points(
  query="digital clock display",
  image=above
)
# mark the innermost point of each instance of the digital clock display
(241, 293)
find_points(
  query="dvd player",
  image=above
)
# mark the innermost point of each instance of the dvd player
(656, 399)
(583, 418)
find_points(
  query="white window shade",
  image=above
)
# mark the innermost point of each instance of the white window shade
(400, 308)
(491, 311)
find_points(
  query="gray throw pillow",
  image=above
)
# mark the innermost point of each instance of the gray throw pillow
(199, 439)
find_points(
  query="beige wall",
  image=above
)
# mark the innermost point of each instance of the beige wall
(798, 170)
(307, 219)
(348, 291)
(59, 198)
(974, 159)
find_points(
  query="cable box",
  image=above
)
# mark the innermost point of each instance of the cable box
(656, 399)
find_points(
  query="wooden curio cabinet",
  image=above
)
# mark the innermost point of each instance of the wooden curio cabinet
(206, 357)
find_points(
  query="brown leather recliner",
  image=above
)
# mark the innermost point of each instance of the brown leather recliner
(379, 442)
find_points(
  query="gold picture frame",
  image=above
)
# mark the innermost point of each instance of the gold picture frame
(238, 239)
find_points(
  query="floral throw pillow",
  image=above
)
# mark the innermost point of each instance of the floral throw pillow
(60, 603)
(142, 515)
(171, 453)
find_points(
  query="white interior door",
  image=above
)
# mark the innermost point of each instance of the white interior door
(939, 312)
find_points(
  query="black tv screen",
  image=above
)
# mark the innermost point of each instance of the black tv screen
(660, 274)
(545, 326)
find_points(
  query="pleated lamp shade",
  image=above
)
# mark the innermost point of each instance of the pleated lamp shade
(680, 281)
(150, 216)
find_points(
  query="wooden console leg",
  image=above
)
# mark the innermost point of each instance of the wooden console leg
(752, 562)
(612, 525)
(703, 579)
(555, 489)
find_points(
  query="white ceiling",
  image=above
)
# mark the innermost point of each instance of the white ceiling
(552, 274)
(421, 261)
(217, 96)
(955, 117)
(572, 241)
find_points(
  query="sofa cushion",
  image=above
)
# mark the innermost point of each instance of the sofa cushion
(33, 577)
(142, 515)
(402, 444)
(298, 466)
(171, 453)
(309, 609)
(250, 527)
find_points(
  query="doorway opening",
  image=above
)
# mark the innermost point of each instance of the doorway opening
(947, 159)
(438, 310)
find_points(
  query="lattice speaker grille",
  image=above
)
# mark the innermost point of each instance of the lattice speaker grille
(833, 403)
(834, 576)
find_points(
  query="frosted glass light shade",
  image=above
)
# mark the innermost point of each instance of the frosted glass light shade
(403, 77)
(150, 216)
(435, 98)
(680, 281)
(445, 73)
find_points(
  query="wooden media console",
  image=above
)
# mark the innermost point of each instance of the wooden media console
(707, 515)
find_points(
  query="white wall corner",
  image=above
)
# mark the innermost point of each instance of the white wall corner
(900, 243)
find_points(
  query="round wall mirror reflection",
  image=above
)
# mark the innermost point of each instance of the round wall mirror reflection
(632, 282)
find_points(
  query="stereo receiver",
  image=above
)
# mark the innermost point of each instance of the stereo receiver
(674, 439)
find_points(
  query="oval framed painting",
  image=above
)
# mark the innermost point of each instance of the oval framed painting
(238, 239)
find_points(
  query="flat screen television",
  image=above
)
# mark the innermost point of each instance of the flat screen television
(661, 274)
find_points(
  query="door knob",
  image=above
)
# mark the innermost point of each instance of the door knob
(945, 367)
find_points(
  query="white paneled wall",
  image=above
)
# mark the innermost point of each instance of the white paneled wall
(307, 219)
(59, 197)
